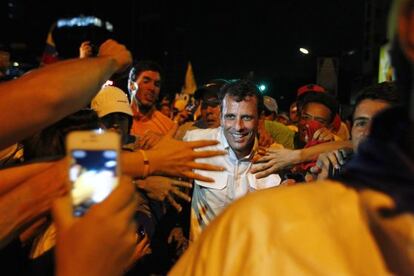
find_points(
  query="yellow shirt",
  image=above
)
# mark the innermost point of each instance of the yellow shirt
(308, 229)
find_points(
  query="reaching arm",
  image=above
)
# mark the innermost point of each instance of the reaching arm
(31, 198)
(46, 95)
(172, 157)
(278, 159)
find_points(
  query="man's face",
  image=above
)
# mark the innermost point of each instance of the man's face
(363, 115)
(316, 112)
(166, 110)
(240, 121)
(148, 88)
(118, 122)
(210, 112)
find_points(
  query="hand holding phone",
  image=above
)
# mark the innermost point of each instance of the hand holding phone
(93, 167)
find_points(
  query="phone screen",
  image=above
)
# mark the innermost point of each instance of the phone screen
(93, 174)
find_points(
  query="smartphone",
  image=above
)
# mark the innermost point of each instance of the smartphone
(93, 168)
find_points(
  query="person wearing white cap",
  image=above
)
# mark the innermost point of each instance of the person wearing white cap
(271, 109)
(114, 110)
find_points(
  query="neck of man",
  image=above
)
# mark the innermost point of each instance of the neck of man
(144, 109)
(245, 152)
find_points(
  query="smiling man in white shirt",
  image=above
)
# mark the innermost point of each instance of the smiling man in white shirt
(241, 103)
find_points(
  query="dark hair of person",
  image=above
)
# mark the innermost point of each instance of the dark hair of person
(384, 91)
(322, 98)
(144, 65)
(240, 90)
(51, 140)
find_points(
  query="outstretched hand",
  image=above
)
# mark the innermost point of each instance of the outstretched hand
(178, 158)
(273, 161)
(161, 188)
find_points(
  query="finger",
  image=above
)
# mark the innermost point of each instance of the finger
(333, 160)
(121, 197)
(265, 158)
(181, 195)
(317, 134)
(261, 150)
(62, 212)
(288, 182)
(315, 169)
(192, 175)
(256, 158)
(340, 157)
(174, 203)
(264, 173)
(172, 131)
(208, 153)
(260, 167)
(325, 136)
(202, 143)
(182, 184)
(204, 166)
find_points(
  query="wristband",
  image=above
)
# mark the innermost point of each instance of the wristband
(146, 163)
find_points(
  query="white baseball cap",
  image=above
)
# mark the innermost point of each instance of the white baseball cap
(111, 99)
(270, 103)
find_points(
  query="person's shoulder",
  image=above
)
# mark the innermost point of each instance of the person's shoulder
(161, 116)
(294, 203)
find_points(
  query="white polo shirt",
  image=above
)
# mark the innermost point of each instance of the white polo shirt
(209, 199)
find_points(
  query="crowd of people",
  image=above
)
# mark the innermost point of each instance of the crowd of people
(220, 183)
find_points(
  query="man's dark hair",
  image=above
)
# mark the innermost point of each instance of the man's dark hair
(240, 89)
(325, 99)
(384, 91)
(144, 65)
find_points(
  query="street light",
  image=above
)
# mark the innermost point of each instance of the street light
(304, 51)
(262, 88)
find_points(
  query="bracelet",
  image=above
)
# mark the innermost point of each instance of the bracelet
(146, 163)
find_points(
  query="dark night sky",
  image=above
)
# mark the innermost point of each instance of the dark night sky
(222, 40)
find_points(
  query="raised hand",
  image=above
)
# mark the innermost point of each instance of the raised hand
(103, 242)
(118, 52)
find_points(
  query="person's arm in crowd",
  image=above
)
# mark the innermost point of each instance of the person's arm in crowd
(48, 94)
(171, 157)
(323, 135)
(330, 161)
(30, 197)
(278, 159)
(12, 177)
(104, 241)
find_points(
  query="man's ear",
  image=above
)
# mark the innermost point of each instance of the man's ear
(133, 86)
